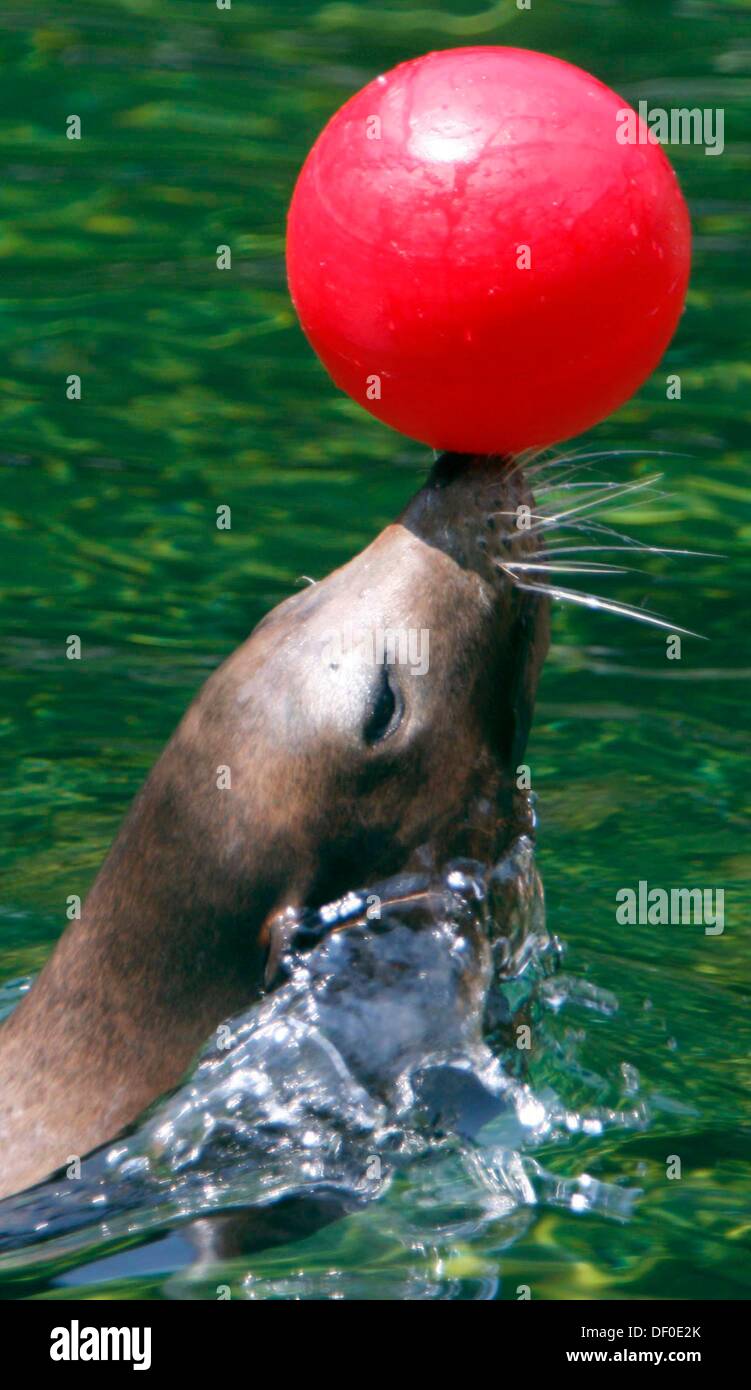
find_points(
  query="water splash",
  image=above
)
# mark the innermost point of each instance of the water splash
(387, 1041)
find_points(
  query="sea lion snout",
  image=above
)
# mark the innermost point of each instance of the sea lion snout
(369, 721)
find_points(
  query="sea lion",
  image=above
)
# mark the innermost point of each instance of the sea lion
(307, 764)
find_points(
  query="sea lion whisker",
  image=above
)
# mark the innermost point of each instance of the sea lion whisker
(591, 527)
(537, 516)
(593, 494)
(596, 601)
(552, 482)
(586, 567)
(548, 484)
(638, 545)
(550, 520)
(523, 461)
(558, 486)
(608, 490)
(598, 454)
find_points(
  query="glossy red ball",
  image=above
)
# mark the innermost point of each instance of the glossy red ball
(479, 253)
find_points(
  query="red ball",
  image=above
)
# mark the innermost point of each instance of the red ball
(476, 256)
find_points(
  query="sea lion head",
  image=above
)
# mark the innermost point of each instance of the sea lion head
(378, 711)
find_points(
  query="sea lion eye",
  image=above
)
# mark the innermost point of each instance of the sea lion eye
(386, 711)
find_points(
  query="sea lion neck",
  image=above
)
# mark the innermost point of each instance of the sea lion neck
(161, 954)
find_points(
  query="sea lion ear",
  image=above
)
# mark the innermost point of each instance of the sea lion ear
(531, 642)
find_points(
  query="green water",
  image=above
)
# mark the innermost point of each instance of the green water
(198, 389)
